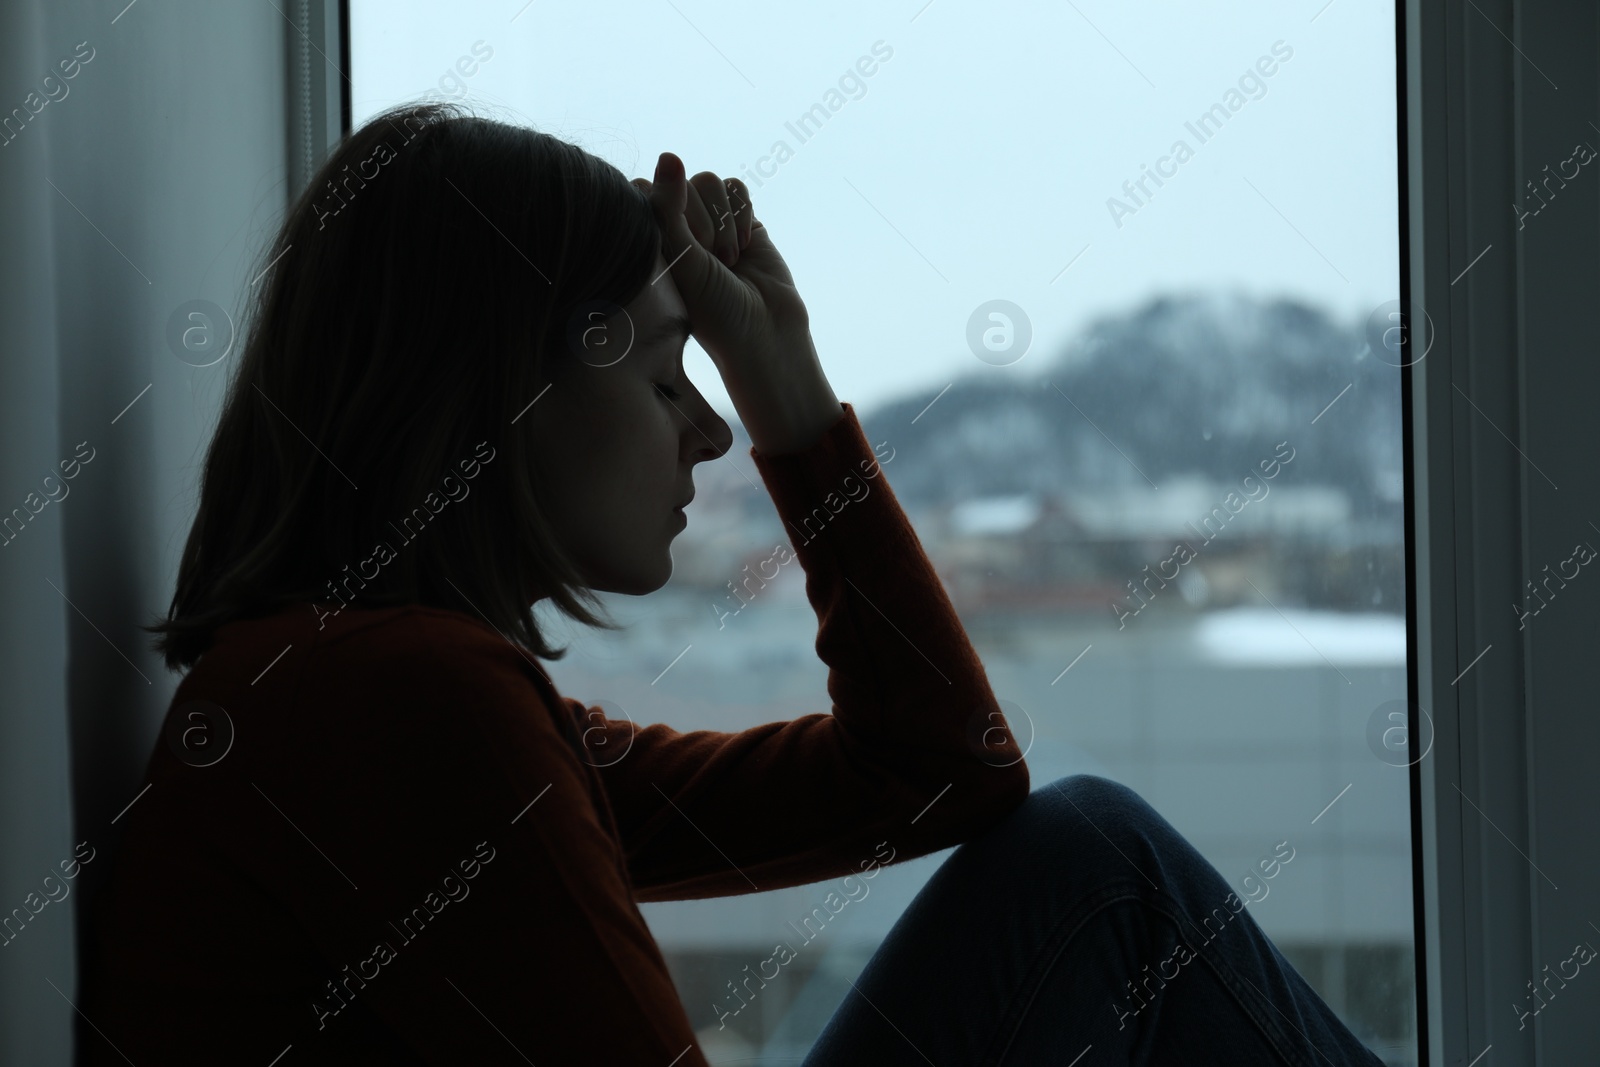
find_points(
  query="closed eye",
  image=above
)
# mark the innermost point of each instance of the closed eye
(668, 392)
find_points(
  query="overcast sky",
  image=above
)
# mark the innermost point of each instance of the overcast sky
(976, 162)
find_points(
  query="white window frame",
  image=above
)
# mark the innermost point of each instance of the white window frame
(1506, 872)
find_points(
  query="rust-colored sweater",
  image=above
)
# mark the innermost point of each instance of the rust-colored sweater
(416, 851)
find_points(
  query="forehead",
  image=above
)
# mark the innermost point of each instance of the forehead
(659, 301)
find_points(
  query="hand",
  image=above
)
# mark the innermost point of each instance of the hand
(737, 289)
(742, 304)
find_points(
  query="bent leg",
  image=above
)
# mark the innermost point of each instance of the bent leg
(1081, 921)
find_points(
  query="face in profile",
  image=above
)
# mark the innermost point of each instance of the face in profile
(617, 441)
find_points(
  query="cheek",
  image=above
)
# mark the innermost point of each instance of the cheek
(601, 486)
(610, 451)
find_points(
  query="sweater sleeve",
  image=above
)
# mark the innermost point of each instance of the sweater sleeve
(915, 755)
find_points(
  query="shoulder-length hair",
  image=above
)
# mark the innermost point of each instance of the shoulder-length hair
(395, 339)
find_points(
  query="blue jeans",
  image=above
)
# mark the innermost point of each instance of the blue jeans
(1083, 930)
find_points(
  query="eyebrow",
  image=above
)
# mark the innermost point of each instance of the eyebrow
(674, 327)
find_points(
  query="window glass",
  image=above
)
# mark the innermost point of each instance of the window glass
(1109, 284)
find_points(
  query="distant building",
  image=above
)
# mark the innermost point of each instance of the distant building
(1080, 550)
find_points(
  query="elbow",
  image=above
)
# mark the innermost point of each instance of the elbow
(995, 792)
(1013, 788)
(1020, 785)
(999, 772)
(968, 801)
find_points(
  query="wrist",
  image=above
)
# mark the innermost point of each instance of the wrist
(803, 429)
(794, 408)
(783, 397)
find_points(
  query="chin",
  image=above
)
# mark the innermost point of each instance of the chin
(637, 582)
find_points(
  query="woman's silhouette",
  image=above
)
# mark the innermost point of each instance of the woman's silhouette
(375, 833)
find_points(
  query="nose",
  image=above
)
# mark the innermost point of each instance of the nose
(710, 437)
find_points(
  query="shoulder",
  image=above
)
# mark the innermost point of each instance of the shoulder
(411, 683)
(413, 644)
(358, 633)
(424, 667)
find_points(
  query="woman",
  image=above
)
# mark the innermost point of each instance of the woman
(376, 834)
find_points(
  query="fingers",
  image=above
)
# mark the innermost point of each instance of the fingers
(712, 212)
(724, 240)
(744, 211)
(698, 213)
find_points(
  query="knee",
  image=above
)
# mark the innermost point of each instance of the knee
(1095, 812)
(1078, 828)
(1092, 794)
(1093, 789)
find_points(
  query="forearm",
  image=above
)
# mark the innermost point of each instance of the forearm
(790, 406)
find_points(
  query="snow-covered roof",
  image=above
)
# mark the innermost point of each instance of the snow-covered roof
(1262, 636)
(995, 514)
